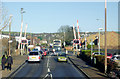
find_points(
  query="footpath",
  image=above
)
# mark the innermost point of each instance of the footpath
(89, 71)
(17, 62)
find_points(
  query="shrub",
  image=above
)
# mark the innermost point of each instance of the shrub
(111, 65)
(100, 60)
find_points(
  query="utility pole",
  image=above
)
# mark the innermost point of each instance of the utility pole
(9, 34)
(105, 37)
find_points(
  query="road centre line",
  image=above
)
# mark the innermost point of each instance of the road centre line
(48, 70)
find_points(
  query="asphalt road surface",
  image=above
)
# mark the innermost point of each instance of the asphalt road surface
(48, 68)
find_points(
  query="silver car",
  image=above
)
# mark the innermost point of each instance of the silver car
(34, 56)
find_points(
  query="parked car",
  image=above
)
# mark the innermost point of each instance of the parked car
(116, 58)
(34, 56)
(62, 57)
(97, 53)
(109, 55)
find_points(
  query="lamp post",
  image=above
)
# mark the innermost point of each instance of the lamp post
(21, 28)
(102, 27)
(99, 40)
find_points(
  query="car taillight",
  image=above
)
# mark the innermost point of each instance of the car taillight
(28, 57)
(39, 57)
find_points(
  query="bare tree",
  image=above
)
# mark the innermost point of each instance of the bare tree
(68, 30)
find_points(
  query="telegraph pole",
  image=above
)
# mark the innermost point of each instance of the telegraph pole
(105, 37)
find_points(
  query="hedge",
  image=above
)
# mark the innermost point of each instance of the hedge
(86, 56)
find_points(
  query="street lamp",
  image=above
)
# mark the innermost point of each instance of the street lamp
(102, 27)
(21, 28)
(99, 40)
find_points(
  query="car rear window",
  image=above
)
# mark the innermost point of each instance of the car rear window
(61, 54)
(33, 53)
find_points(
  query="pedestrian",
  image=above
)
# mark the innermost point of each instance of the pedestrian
(3, 62)
(9, 62)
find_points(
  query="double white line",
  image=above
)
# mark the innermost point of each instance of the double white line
(48, 72)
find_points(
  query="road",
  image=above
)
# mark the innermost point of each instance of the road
(48, 68)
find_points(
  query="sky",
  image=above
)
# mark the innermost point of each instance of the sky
(49, 16)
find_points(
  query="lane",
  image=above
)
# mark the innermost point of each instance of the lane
(33, 70)
(63, 69)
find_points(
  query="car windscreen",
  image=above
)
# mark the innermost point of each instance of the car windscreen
(33, 53)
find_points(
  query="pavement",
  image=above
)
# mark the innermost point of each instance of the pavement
(88, 70)
(17, 62)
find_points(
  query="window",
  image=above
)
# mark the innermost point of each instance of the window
(33, 53)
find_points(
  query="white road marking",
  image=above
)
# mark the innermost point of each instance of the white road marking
(48, 62)
(45, 76)
(48, 75)
(48, 70)
(51, 76)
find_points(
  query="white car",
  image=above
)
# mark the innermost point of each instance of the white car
(34, 56)
(97, 53)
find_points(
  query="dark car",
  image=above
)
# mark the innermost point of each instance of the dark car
(42, 54)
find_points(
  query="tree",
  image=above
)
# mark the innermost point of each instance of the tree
(68, 34)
